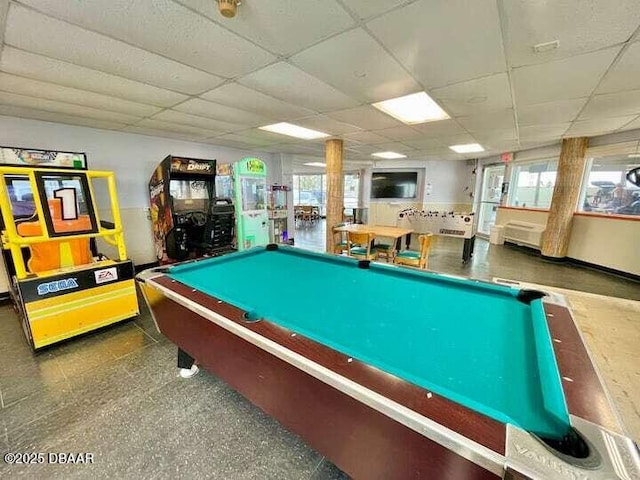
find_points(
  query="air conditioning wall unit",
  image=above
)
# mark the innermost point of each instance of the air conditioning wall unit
(524, 233)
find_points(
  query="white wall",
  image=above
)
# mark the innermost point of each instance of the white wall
(610, 242)
(442, 185)
(130, 156)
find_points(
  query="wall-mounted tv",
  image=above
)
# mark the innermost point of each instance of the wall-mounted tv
(394, 184)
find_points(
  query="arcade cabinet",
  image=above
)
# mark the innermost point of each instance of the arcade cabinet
(60, 284)
(250, 181)
(189, 221)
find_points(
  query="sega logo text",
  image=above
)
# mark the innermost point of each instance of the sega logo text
(57, 286)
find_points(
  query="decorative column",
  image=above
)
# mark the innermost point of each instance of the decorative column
(555, 241)
(335, 187)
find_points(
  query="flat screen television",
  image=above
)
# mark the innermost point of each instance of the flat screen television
(394, 184)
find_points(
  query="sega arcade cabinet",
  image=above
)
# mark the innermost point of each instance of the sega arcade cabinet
(51, 222)
(189, 221)
(252, 196)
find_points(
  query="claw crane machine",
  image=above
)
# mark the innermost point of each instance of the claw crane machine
(252, 216)
(60, 284)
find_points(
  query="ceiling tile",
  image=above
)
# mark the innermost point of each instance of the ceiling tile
(369, 8)
(47, 69)
(551, 112)
(218, 127)
(538, 133)
(573, 77)
(612, 105)
(365, 117)
(183, 129)
(65, 108)
(328, 125)
(301, 149)
(402, 133)
(461, 139)
(362, 69)
(597, 127)
(366, 138)
(503, 142)
(444, 41)
(440, 128)
(427, 155)
(154, 132)
(499, 120)
(169, 29)
(536, 144)
(426, 144)
(635, 124)
(34, 88)
(69, 43)
(492, 139)
(265, 137)
(475, 96)
(625, 75)
(292, 85)
(248, 140)
(221, 112)
(225, 142)
(239, 96)
(394, 147)
(14, 111)
(264, 21)
(579, 25)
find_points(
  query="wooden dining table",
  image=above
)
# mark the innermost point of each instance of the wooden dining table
(384, 231)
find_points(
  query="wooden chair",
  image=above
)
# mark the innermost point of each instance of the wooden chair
(339, 239)
(413, 258)
(315, 214)
(359, 245)
(384, 250)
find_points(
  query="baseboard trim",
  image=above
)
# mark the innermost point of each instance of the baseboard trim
(602, 268)
(5, 298)
(576, 262)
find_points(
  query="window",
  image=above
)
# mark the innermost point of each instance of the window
(312, 190)
(606, 188)
(351, 189)
(532, 184)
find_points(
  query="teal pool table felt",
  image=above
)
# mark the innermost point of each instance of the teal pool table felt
(472, 342)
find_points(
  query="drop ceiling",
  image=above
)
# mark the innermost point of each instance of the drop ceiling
(176, 68)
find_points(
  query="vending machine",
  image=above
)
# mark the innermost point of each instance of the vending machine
(251, 198)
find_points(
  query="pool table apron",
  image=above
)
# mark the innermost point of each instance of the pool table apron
(193, 320)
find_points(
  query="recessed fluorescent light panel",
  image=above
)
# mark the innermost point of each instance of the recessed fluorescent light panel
(294, 131)
(316, 164)
(388, 155)
(468, 148)
(413, 109)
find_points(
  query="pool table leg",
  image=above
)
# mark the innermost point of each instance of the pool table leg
(186, 364)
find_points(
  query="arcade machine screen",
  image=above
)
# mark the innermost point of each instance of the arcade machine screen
(189, 195)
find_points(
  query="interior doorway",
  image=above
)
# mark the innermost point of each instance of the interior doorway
(491, 194)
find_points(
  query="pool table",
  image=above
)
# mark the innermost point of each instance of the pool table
(394, 373)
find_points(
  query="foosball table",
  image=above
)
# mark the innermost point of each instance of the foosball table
(449, 224)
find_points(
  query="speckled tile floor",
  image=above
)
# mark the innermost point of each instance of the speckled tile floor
(116, 394)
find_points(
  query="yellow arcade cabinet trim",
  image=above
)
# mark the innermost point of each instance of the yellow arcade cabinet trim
(61, 291)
